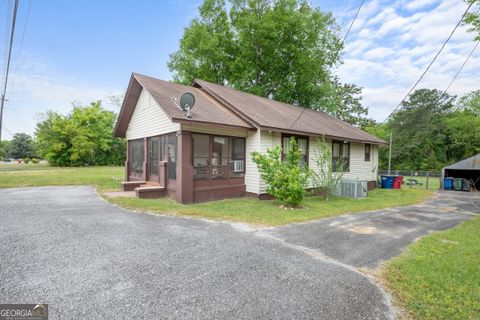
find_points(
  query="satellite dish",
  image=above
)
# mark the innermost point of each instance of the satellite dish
(187, 100)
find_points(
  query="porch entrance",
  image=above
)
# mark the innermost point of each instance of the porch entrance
(153, 159)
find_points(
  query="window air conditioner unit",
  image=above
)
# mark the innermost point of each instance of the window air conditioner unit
(237, 165)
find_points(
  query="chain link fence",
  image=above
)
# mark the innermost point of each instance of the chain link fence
(414, 179)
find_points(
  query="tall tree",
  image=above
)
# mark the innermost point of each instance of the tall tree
(281, 49)
(84, 137)
(462, 128)
(21, 146)
(418, 130)
(4, 145)
(350, 108)
(206, 48)
(473, 17)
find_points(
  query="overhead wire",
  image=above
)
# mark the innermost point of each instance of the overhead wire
(12, 34)
(14, 74)
(461, 68)
(431, 63)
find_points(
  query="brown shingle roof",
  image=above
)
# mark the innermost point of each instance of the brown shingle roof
(270, 114)
(219, 105)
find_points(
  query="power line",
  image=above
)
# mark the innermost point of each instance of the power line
(12, 33)
(353, 21)
(461, 68)
(434, 58)
(21, 44)
(7, 32)
(14, 75)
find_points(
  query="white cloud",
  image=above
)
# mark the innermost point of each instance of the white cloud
(392, 44)
(417, 4)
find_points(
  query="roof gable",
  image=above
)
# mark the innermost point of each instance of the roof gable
(207, 109)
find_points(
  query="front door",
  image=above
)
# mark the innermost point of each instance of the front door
(154, 157)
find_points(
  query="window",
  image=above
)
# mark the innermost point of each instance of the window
(341, 156)
(137, 158)
(302, 143)
(367, 152)
(172, 156)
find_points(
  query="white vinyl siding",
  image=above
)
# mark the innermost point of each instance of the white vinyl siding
(268, 141)
(252, 176)
(359, 168)
(149, 119)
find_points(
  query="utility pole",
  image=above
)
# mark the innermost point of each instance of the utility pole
(390, 154)
(1, 115)
(12, 33)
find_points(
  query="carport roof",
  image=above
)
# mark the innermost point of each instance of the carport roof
(472, 163)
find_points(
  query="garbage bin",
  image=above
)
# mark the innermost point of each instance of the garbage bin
(447, 183)
(387, 182)
(457, 184)
(397, 182)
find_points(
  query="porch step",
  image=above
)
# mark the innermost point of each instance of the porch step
(131, 185)
(150, 191)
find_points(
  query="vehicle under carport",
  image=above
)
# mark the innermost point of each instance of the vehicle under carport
(468, 169)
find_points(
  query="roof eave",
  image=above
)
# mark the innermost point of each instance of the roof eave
(316, 134)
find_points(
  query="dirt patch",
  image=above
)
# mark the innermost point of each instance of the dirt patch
(363, 230)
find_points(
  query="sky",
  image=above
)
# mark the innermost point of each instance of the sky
(79, 51)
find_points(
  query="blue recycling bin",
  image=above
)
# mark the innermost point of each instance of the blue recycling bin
(447, 183)
(387, 182)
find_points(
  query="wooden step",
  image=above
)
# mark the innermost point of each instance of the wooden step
(131, 185)
(149, 191)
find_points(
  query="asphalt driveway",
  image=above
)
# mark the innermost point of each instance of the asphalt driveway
(91, 260)
(367, 239)
(88, 259)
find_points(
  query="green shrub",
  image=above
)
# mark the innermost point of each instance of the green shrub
(26, 160)
(35, 161)
(326, 180)
(286, 180)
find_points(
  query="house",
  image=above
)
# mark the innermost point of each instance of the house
(207, 156)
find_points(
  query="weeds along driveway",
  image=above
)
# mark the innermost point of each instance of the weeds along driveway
(367, 239)
(88, 259)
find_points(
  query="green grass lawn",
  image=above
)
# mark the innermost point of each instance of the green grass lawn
(26, 175)
(439, 276)
(433, 183)
(265, 212)
(243, 210)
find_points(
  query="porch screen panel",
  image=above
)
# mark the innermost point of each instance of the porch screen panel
(137, 157)
(200, 156)
(237, 164)
(172, 157)
(219, 158)
(154, 145)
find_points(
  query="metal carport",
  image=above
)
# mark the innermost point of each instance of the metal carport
(467, 169)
